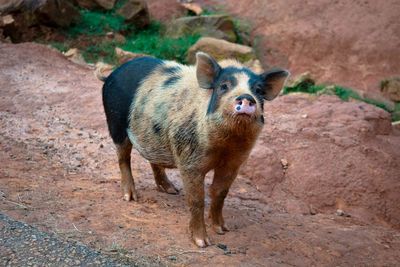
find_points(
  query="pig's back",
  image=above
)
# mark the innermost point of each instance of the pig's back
(119, 91)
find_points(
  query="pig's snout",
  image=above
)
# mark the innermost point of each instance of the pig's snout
(245, 104)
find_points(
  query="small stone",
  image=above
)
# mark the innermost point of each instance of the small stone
(340, 212)
(285, 163)
(172, 258)
(222, 246)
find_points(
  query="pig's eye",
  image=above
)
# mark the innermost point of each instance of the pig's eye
(224, 87)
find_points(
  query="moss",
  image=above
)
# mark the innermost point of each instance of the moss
(243, 57)
(343, 93)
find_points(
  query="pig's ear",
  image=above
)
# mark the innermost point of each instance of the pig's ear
(273, 83)
(207, 70)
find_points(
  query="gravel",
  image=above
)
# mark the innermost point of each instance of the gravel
(24, 245)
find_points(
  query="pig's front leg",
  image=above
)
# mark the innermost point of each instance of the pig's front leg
(193, 186)
(223, 178)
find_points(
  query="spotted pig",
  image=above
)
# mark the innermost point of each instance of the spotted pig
(194, 118)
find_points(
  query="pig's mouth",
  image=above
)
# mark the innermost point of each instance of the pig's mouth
(243, 117)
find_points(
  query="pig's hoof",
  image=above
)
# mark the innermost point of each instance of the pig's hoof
(168, 188)
(220, 229)
(202, 242)
(171, 190)
(130, 196)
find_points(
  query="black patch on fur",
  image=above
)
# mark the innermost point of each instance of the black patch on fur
(246, 96)
(255, 85)
(186, 136)
(170, 70)
(156, 128)
(170, 81)
(262, 119)
(119, 92)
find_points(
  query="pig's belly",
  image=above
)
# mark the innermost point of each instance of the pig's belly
(156, 153)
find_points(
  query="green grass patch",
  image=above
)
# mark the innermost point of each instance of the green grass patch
(152, 41)
(343, 93)
(95, 23)
(89, 35)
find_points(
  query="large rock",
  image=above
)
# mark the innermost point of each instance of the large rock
(135, 11)
(32, 19)
(338, 155)
(303, 80)
(90, 4)
(124, 56)
(49, 12)
(216, 26)
(221, 49)
(391, 88)
(75, 56)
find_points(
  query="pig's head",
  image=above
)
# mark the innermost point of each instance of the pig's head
(238, 94)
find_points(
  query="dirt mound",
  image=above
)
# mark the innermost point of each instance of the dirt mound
(323, 154)
(59, 172)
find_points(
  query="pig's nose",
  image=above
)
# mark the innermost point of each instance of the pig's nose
(245, 104)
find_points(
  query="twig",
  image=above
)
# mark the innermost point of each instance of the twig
(75, 227)
(22, 206)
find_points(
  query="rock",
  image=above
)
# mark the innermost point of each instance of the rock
(193, 7)
(303, 81)
(340, 212)
(76, 57)
(124, 56)
(32, 18)
(396, 125)
(136, 12)
(329, 90)
(90, 4)
(284, 163)
(220, 49)
(106, 4)
(216, 26)
(391, 88)
(56, 13)
(102, 70)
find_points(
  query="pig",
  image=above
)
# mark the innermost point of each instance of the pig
(193, 118)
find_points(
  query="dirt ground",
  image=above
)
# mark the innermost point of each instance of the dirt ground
(59, 172)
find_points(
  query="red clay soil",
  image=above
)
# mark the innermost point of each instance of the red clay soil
(59, 172)
(350, 43)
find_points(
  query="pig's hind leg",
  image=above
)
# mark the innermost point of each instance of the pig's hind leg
(124, 161)
(162, 180)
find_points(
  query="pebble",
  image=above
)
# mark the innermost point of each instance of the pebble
(340, 212)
